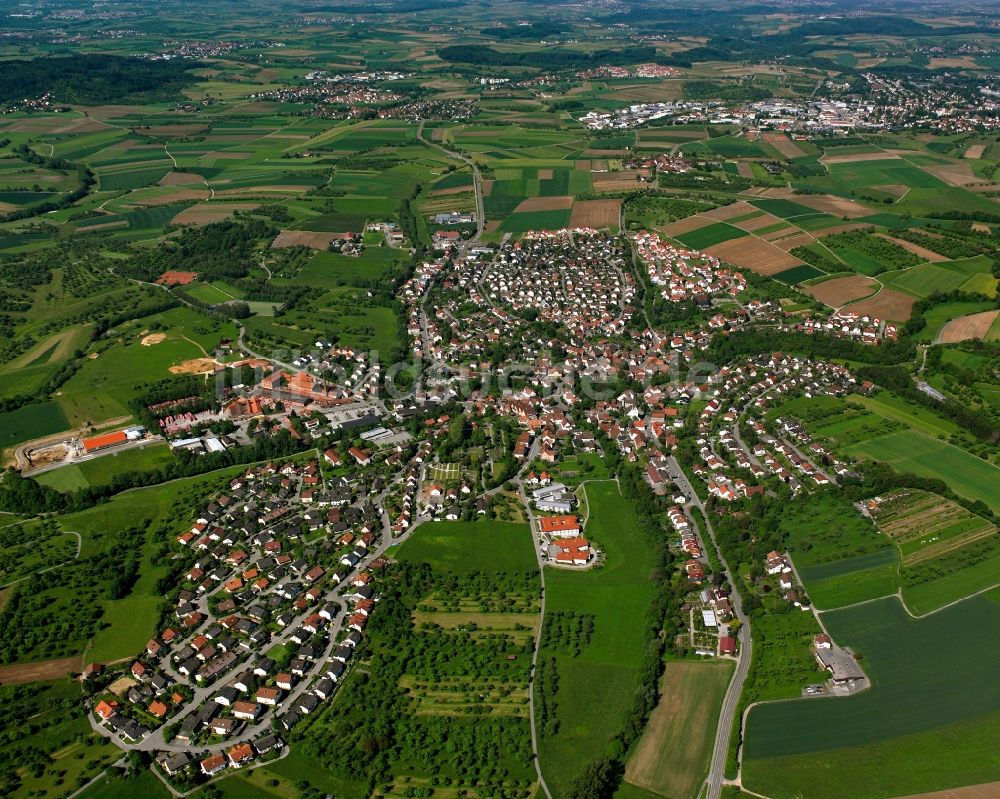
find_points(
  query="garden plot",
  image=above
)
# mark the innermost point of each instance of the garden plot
(925, 525)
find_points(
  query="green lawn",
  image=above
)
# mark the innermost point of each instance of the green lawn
(102, 387)
(524, 221)
(914, 452)
(100, 471)
(604, 674)
(463, 547)
(852, 580)
(31, 421)
(110, 786)
(932, 706)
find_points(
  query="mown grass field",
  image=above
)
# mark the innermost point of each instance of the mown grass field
(673, 755)
(31, 421)
(712, 234)
(927, 722)
(604, 673)
(100, 471)
(917, 453)
(464, 547)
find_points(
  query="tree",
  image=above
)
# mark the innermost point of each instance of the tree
(598, 780)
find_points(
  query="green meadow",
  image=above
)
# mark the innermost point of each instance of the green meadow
(464, 547)
(604, 674)
(927, 722)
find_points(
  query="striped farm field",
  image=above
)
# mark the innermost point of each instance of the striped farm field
(754, 254)
(840, 290)
(596, 213)
(930, 721)
(965, 327)
(914, 452)
(672, 756)
(888, 304)
(924, 525)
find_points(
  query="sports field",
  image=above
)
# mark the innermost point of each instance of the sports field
(673, 755)
(928, 722)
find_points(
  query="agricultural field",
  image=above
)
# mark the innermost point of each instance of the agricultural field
(30, 422)
(901, 736)
(179, 192)
(672, 757)
(910, 438)
(915, 452)
(838, 553)
(946, 551)
(604, 671)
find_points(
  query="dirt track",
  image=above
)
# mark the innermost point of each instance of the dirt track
(840, 290)
(20, 462)
(916, 249)
(17, 673)
(196, 366)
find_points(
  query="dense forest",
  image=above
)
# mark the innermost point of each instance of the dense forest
(94, 79)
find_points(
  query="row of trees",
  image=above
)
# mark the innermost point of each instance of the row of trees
(26, 497)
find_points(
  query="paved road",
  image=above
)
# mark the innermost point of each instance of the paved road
(155, 741)
(242, 330)
(21, 453)
(477, 182)
(716, 773)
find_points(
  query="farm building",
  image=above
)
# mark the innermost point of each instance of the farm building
(105, 440)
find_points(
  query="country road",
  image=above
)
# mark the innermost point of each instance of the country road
(477, 180)
(538, 640)
(716, 772)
